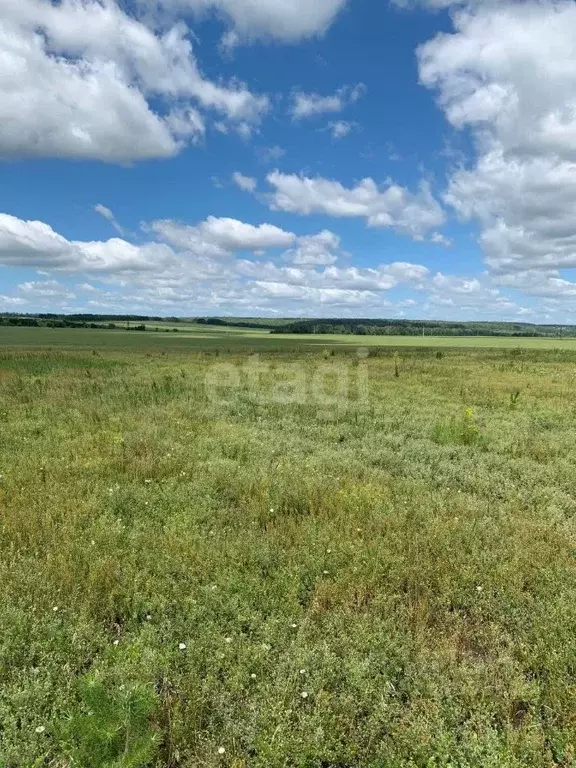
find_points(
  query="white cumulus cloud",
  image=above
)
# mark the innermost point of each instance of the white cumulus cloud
(78, 80)
(340, 128)
(393, 206)
(315, 250)
(36, 244)
(220, 237)
(305, 105)
(247, 20)
(50, 289)
(245, 183)
(507, 74)
(198, 269)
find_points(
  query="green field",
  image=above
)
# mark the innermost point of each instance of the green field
(192, 337)
(307, 558)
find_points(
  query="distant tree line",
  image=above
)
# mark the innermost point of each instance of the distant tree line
(83, 320)
(112, 318)
(242, 322)
(394, 327)
(358, 326)
(73, 321)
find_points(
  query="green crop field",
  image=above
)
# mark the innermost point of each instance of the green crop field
(190, 337)
(317, 556)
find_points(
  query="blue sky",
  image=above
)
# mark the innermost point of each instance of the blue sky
(258, 157)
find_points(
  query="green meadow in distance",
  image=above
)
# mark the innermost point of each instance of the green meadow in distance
(323, 555)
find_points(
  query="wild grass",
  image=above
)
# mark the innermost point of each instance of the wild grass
(384, 582)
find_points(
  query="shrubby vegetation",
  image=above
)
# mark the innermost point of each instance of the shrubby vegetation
(238, 581)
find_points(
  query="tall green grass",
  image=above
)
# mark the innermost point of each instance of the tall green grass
(191, 581)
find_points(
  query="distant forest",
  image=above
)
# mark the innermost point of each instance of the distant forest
(51, 320)
(370, 327)
(48, 320)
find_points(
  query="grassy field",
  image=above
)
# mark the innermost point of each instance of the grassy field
(306, 559)
(229, 339)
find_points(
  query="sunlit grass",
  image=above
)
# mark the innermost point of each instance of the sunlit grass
(388, 581)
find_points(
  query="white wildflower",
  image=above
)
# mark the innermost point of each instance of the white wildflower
(182, 646)
(40, 729)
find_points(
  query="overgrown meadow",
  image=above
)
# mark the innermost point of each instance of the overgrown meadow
(204, 567)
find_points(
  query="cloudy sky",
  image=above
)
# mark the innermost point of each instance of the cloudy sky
(412, 158)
